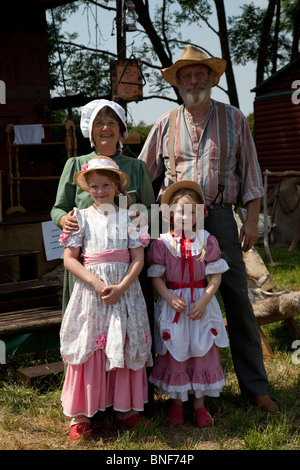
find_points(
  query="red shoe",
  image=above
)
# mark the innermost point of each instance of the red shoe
(203, 419)
(134, 420)
(175, 415)
(80, 431)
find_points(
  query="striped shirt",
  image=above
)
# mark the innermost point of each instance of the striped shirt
(199, 160)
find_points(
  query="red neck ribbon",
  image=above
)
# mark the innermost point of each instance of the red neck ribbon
(186, 256)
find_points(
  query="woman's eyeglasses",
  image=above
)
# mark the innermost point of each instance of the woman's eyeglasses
(101, 124)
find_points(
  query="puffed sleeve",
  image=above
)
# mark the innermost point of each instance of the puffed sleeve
(75, 238)
(214, 264)
(156, 258)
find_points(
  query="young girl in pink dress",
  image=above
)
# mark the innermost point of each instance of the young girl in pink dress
(105, 333)
(188, 326)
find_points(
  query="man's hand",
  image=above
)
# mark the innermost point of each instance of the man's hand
(249, 231)
(248, 236)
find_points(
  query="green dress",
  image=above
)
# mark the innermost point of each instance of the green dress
(69, 195)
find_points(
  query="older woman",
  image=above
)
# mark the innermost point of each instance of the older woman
(104, 123)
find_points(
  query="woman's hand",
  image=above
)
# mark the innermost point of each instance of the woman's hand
(69, 223)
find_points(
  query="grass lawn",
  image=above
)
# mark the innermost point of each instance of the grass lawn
(32, 418)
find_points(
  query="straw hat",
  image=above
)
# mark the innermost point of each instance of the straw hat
(100, 163)
(90, 111)
(184, 184)
(194, 56)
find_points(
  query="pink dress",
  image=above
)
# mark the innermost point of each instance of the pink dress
(107, 347)
(188, 357)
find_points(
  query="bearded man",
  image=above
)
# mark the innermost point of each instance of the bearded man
(200, 154)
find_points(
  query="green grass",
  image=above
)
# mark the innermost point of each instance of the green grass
(32, 418)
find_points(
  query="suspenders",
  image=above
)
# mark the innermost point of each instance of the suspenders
(223, 149)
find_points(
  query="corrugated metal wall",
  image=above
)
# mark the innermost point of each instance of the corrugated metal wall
(277, 133)
(277, 123)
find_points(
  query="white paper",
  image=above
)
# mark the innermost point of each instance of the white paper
(51, 234)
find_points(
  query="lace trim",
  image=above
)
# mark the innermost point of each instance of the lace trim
(156, 270)
(182, 392)
(216, 267)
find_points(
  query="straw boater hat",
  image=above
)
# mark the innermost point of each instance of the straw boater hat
(100, 163)
(184, 184)
(194, 56)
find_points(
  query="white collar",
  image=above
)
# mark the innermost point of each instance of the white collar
(196, 245)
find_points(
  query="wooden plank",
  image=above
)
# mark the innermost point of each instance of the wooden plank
(266, 348)
(13, 253)
(26, 321)
(46, 300)
(27, 375)
(273, 318)
(27, 287)
(133, 138)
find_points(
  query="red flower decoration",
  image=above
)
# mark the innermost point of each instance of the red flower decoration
(214, 331)
(101, 342)
(63, 237)
(166, 335)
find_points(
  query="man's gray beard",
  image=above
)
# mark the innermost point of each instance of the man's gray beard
(191, 99)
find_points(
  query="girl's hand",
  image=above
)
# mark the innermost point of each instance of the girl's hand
(111, 294)
(176, 303)
(98, 285)
(198, 310)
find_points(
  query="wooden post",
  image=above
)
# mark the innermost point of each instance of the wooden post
(0, 196)
(266, 225)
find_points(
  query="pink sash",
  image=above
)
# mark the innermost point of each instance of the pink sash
(109, 256)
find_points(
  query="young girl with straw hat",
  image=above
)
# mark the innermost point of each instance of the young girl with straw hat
(105, 333)
(189, 326)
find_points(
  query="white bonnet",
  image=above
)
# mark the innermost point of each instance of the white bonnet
(90, 111)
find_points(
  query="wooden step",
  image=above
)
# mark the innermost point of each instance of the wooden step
(28, 375)
(31, 286)
(13, 253)
(28, 294)
(28, 262)
(27, 321)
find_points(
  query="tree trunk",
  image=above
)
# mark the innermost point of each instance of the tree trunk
(142, 10)
(223, 36)
(264, 40)
(275, 46)
(296, 33)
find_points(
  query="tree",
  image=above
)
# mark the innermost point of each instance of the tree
(268, 37)
(160, 39)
